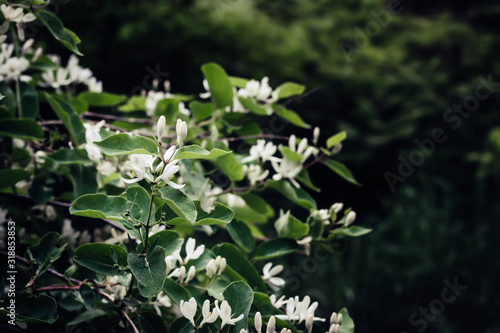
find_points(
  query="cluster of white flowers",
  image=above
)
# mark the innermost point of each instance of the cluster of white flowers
(73, 73)
(208, 197)
(192, 252)
(259, 92)
(17, 16)
(269, 272)
(11, 67)
(73, 237)
(270, 328)
(154, 96)
(224, 312)
(216, 266)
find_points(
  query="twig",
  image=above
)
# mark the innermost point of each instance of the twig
(316, 160)
(296, 98)
(111, 117)
(256, 136)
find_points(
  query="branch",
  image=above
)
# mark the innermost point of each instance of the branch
(296, 98)
(111, 117)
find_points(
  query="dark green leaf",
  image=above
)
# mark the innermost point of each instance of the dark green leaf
(239, 295)
(179, 203)
(69, 117)
(167, 239)
(274, 248)
(29, 100)
(152, 323)
(176, 292)
(296, 195)
(150, 271)
(10, 177)
(33, 309)
(88, 296)
(55, 26)
(290, 227)
(71, 156)
(292, 117)
(97, 257)
(182, 325)
(103, 206)
(87, 316)
(341, 170)
(241, 235)
(101, 99)
(24, 128)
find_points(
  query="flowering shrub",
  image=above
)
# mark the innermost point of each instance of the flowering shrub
(162, 173)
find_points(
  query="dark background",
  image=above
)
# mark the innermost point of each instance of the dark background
(442, 221)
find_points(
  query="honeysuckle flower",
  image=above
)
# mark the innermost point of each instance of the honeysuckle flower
(208, 316)
(351, 216)
(40, 156)
(315, 135)
(11, 68)
(16, 15)
(207, 199)
(271, 325)
(309, 323)
(303, 148)
(254, 173)
(257, 321)
(94, 85)
(278, 303)
(306, 241)
(183, 109)
(182, 276)
(105, 168)
(336, 318)
(324, 214)
(207, 93)
(181, 131)
(141, 164)
(169, 154)
(269, 277)
(61, 78)
(161, 300)
(337, 207)
(169, 171)
(216, 266)
(193, 251)
(188, 309)
(118, 291)
(262, 151)
(288, 169)
(160, 127)
(226, 314)
(260, 91)
(334, 329)
(92, 132)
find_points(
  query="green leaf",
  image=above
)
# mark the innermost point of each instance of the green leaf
(288, 226)
(33, 309)
(341, 170)
(10, 177)
(221, 214)
(86, 316)
(29, 100)
(354, 231)
(122, 144)
(98, 258)
(9, 100)
(255, 209)
(101, 99)
(219, 83)
(251, 105)
(83, 179)
(289, 89)
(217, 287)
(263, 304)
(201, 111)
(290, 154)
(292, 117)
(179, 203)
(139, 196)
(66, 156)
(69, 117)
(304, 178)
(230, 166)
(176, 292)
(151, 323)
(275, 248)
(48, 250)
(167, 239)
(194, 152)
(296, 195)
(24, 128)
(88, 296)
(238, 267)
(347, 323)
(62, 34)
(238, 81)
(103, 206)
(182, 325)
(241, 235)
(135, 103)
(150, 271)
(239, 295)
(336, 139)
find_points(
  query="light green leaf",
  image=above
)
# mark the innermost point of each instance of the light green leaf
(123, 144)
(101, 99)
(292, 117)
(347, 322)
(201, 111)
(251, 105)
(179, 203)
(135, 103)
(23, 128)
(69, 117)
(238, 81)
(275, 248)
(10, 177)
(241, 235)
(98, 258)
(221, 214)
(289, 89)
(219, 83)
(230, 166)
(150, 271)
(336, 139)
(238, 267)
(341, 170)
(290, 227)
(296, 195)
(103, 206)
(66, 156)
(194, 152)
(290, 154)
(62, 34)
(354, 231)
(239, 295)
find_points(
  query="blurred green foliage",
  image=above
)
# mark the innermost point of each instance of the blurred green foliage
(442, 222)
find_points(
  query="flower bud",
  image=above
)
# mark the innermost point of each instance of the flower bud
(350, 218)
(181, 130)
(161, 127)
(337, 207)
(315, 135)
(271, 325)
(258, 322)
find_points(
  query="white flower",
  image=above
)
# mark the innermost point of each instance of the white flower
(182, 277)
(260, 91)
(160, 127)
(181, 130)
(315, 135)
(303, 148)
(188, 309)
(152, 100)
(350, 218)
(207, 92)
(269, 276)
(61, 78)
(16, 15)
(169, 171)
(263, 151)
(216, 266)
(226, 314)
(161, 300)
(207, 200)
(306, 241)
(208, 316)
(286, 168)
(118, 291)
(254, 173)
(192, 251)
(271, 325)
(337, 207)
(92, 131)
(183, 109)
(300, 310)
(94, 85)
(105, 168)
(116, 238)
(257, 320)
(11, 68)
(141, 165)
(323, 214)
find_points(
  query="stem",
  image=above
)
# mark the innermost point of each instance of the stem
(18, 99)
(149, 218)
